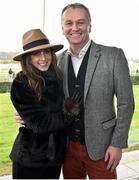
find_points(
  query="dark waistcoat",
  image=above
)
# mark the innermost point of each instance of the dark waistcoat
(76, 84)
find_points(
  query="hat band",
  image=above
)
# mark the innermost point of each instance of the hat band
(35, 43)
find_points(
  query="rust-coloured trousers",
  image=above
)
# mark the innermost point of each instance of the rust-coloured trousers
(77, 164)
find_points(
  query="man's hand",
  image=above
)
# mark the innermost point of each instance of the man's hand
(19, 119)
(112, 157)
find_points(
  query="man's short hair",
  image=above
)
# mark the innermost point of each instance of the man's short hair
(77, 5)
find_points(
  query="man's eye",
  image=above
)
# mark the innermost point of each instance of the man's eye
(68, 23)
(81, 22)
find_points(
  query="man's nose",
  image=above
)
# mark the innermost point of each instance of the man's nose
(75, 26)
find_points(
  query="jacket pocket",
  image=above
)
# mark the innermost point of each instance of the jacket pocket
(109, 123)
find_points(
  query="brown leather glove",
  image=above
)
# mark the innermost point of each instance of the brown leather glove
(72, 104)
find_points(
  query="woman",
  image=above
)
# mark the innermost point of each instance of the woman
(37, 95)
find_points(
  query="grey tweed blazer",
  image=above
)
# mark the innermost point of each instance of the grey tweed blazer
(107, 119)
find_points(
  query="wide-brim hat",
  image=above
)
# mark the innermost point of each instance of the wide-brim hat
(33, 40)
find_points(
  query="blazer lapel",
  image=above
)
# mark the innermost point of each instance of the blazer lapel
(92, 63)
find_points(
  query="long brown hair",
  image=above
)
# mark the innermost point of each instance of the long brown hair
(34, 78)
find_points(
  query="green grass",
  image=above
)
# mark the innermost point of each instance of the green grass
(8, 131)
(9, 128)
(134, 129)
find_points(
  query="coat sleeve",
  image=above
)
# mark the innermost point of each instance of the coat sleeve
(37, 116)
(125, 100)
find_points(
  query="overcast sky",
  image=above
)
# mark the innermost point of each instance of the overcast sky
(114, 22)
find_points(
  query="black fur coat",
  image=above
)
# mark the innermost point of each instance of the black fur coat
(42, 141)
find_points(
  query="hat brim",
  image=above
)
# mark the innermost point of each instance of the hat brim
(54, 48)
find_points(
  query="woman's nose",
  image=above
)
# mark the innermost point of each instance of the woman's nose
(42, 54)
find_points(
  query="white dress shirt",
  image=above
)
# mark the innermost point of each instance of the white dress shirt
(76, 61)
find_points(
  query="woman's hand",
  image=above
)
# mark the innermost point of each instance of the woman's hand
(19, 119)
(72, 104)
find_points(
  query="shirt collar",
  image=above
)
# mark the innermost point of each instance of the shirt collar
(83, 50)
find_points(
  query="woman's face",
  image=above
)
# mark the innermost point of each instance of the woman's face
(41, 59)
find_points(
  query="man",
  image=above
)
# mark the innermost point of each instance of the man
(98, 74)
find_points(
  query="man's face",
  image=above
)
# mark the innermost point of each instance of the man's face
(76, 26)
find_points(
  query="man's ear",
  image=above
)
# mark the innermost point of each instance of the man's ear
(90, 28)
(62, 29)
